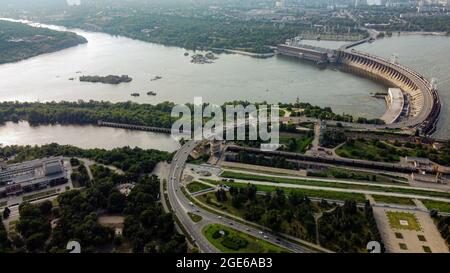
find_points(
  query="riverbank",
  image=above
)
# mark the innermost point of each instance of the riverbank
(424, 33)
(245, 53)
(20, 41)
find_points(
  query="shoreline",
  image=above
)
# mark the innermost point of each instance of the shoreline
(424, 33)
(245, 53)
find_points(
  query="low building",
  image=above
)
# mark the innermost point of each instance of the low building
(31, 176)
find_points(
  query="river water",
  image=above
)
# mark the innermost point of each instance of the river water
(428, 55)
(86, 137)
(231, 77)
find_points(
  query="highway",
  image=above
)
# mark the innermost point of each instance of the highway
(181, 206)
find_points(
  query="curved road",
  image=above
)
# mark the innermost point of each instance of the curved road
(181, 206)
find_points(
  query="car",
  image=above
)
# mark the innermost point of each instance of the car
(247, 229)
(220, 217)
(260, 232)
(265, 237)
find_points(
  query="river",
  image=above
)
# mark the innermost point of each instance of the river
(428, 55)
(86, 137)
(231, 77)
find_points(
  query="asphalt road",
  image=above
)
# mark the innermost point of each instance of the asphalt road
(181, 206)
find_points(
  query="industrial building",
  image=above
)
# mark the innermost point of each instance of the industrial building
(30, 176)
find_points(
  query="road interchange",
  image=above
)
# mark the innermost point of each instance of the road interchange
(181, 205)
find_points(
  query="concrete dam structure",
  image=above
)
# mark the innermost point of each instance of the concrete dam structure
(423, 103)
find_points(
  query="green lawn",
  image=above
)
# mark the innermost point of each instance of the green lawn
(334, 195)
(196, 187)
(396, 218)
(194, 217)
(226, 207)
(233, 241)
(437, 205)
(341, 173)
(371, 187)
(393, 200)
(369, 150)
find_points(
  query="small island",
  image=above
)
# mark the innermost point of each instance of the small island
(156, 78)
(110, 79)
(208, 58)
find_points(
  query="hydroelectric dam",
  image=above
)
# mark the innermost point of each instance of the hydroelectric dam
(422, 103)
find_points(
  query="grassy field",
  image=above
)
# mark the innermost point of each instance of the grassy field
(319, 183)
(233, 241)
(224, 206)
(393, 200)
(369, 150)
(196, 187)
(334, 195)
(194, 217)
(395, 219)
(340, 173)
(300, 145)
(440, 206)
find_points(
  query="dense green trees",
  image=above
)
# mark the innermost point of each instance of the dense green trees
(200, 31)
(19, 41)
(91, 112)
(348, 228)
(134, 161)
(80, 176)
(5, 244)
(443, 225)
(147, 227)
(332, 138)
(292, 214)
(275, 161)
(34, 224)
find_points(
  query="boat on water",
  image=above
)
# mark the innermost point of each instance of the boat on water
(151, 93)
(156, 78)
(135, 94)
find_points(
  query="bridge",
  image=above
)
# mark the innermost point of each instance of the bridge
(134, 127)
(424, 104)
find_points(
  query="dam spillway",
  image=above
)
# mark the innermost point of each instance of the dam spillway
(424, 103)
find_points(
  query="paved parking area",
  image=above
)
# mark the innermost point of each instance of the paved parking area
(401, 238)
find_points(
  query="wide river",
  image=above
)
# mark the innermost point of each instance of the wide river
(231, 77)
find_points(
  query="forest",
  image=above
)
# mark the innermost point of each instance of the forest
(19, 41)
(90, 112)
(45, 227)
(133, 161)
